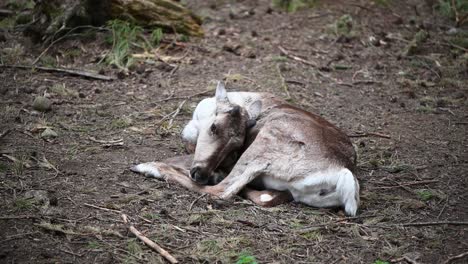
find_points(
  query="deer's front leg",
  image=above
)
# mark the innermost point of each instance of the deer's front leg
(174, 174)
(245, 170)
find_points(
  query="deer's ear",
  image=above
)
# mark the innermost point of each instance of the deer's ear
(221, 94)
(254, 109)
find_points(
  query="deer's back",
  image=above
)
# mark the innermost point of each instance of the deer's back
(308, 136)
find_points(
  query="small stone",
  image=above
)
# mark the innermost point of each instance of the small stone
(3, 37)
(249, 53)
(233, 48)
(398, 21)
(49, 133)
(42, 104)
(220, 32)
(53, 201)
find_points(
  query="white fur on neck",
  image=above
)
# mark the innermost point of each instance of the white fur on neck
(205, 110)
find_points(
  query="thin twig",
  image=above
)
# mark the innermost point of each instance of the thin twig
(296, 58)
(433, 223)
(13, 237)
(196, 200)
(459, 256)
(283, 82)
(4, 133)
(171, 97)
(102, 208)
(6, 12)
(176, 112)
(455, 11)
(71, 253)
(108, 143)
(407, 184)
(74, 72)
(148, 241)
(369, 134)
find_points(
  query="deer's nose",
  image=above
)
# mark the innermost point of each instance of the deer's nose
(198, 175)
(195, 173)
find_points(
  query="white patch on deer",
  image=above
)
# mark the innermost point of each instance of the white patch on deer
(342, 189)
(265, 198)
(149, 169)
(190, 132)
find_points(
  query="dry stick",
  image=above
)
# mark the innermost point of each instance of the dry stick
(283, 82)
(147, 241)
(6, 12)
(184, 97)
(6, 132)
(407, 184)
(433, 223)
(75, 72)
(370, 134)
(296, 58)
(14, 217)
(194, 201)
(456, 257)
(102, 208)
(455, 11)
(106, 141)
(176, 112)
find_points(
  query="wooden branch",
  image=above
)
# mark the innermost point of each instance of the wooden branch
(459, 256)
(433, 223)
(407, 184)
(15, 217)
(6, 132)
(6, 13)
(148, 241)
(74, 72)
(296, 58)
(176, 112)
(375, 134)
(184, 97)
(283, 83)
(102, 208)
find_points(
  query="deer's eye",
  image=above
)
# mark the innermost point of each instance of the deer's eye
(213, 129)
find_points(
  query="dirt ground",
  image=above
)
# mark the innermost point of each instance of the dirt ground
(62, 197)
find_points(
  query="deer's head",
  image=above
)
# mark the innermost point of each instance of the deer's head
(222, 136)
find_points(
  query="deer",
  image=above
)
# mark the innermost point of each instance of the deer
(259, 146)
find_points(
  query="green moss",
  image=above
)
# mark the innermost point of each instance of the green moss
(246, 258)
(425, 194)
(8, 22)
(120, 123)
(93, 245)
(23, 204)
(344, 25)
(425, 109)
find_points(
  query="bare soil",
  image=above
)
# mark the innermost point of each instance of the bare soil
(407, 116)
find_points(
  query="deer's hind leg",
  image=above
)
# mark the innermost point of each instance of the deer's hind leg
(266, 198)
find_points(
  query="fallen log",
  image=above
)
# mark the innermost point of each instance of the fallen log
(54, 16)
